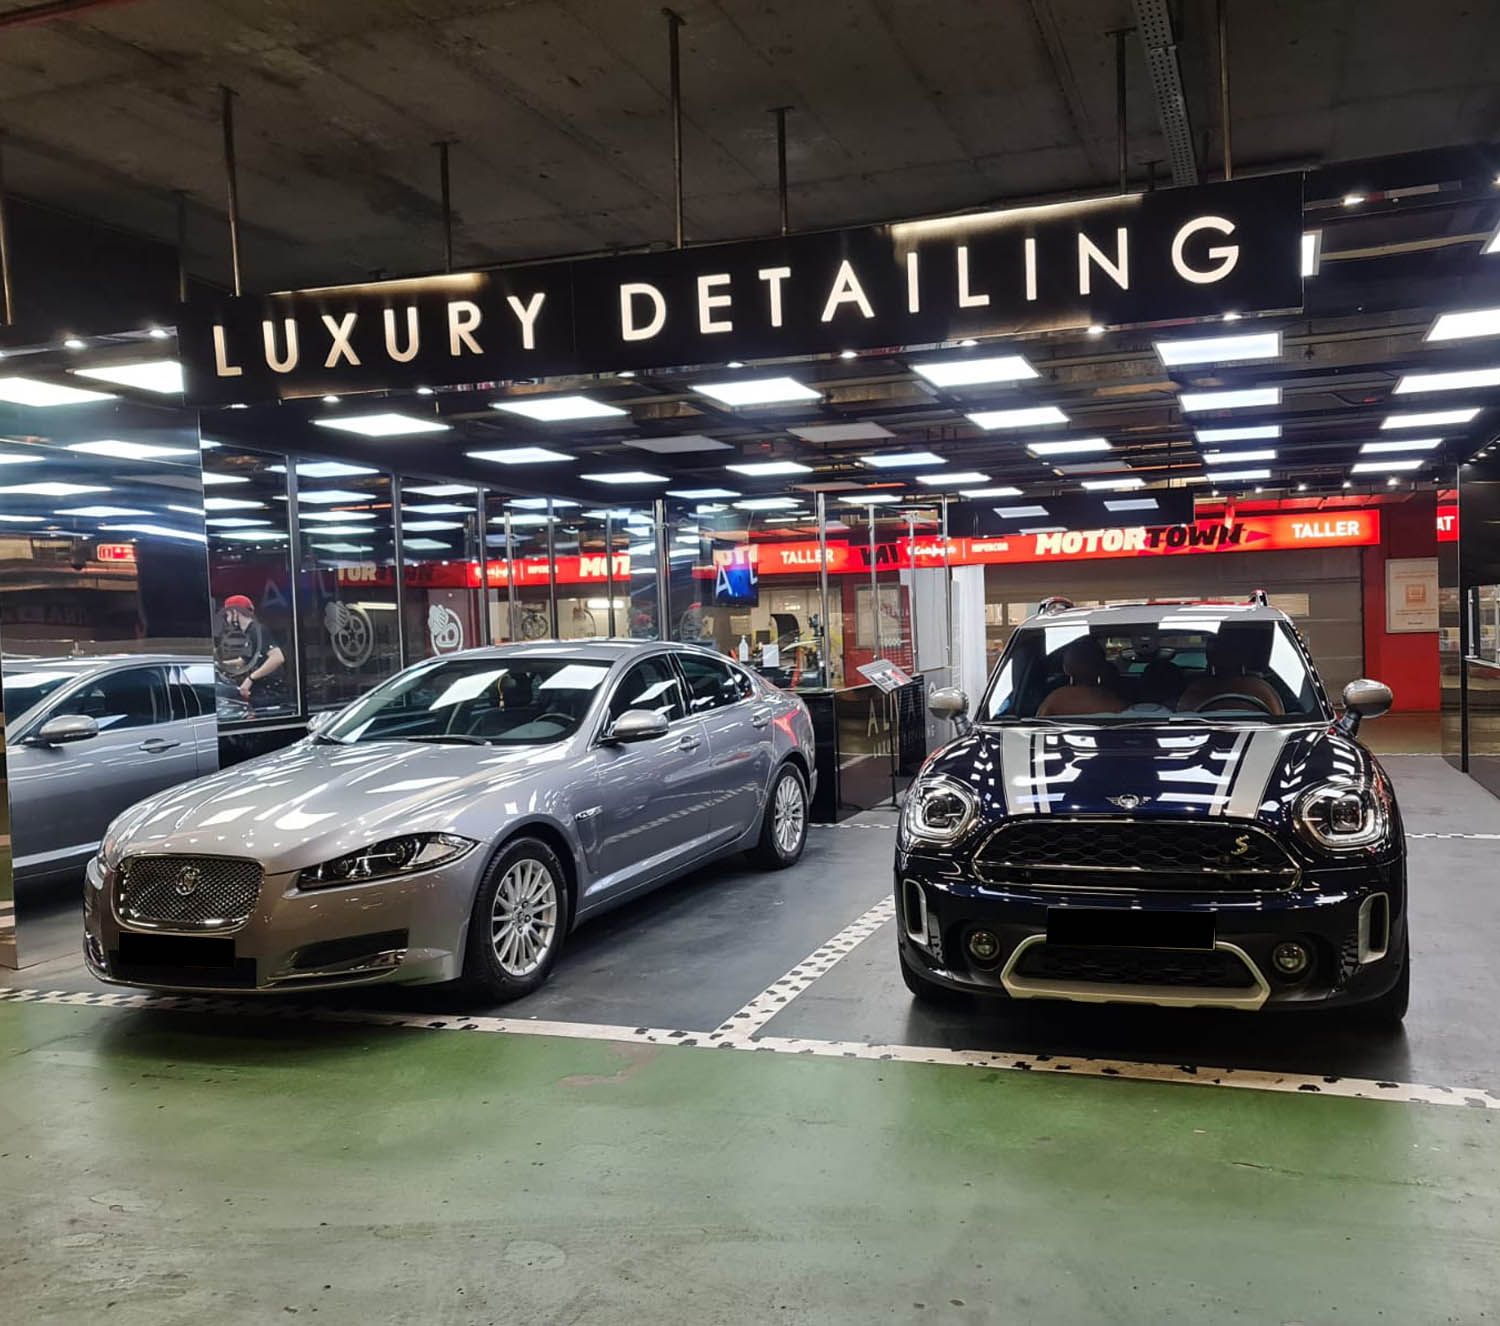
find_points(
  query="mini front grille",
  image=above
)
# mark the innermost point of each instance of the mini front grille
(187, 892)
(1174, 855)
(1135, 966)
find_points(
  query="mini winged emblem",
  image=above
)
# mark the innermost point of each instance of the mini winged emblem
(1129, 801)
(188, 879)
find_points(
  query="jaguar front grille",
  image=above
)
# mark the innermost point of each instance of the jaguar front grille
(1193, 856)
(187, 892)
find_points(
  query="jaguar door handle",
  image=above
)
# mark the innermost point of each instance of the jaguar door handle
(156, 745)
(689, 742)
(760, 717)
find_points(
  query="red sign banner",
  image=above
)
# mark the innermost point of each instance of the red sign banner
(1447, 523)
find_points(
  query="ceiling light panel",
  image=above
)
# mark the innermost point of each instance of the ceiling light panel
(757, 391)
(1131, 504)
(1003, 491)
(30, 391)
(674, 446)
(385, 423)
(699, 494)
(893, 460)
(1236, 476)
(871, 499)
(1464, 379)
(1244, 399)
(1021, 512)
(852, 432)
(559, 409)
(1401, 444)
(1220, 349)
(1110, 485)
(1031, 416)
(520, 456)
(1386, 466)
(159, 375)
(1256, 433)
(121, 450)
(625, 477)
(1431, 418)
(764, 468)
(971, 372)
(956, 479)
(1237, 457)
(767, 503)
(1461, 326)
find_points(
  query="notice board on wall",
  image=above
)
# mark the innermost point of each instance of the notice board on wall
(1411, 595)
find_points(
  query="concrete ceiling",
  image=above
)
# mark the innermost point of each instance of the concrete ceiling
(557, 111)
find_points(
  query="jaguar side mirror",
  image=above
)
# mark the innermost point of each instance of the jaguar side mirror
(65, 729)
(636, 725)
(1363, 699)
(951, 703)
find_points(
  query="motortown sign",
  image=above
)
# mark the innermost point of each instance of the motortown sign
(1138, 258)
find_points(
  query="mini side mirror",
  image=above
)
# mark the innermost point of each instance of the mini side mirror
(65, 729)
(636, 725)
(952, 703)
(1363, 699)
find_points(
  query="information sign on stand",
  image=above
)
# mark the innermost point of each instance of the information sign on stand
(884, 674)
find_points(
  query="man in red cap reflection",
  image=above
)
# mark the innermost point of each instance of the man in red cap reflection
(247, 654)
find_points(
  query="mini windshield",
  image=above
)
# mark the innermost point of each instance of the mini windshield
(1183, 670)
(477, 700)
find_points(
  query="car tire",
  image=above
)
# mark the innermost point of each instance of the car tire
(1389, 1009)
(929, 992)
(783, 825)
(518, 923)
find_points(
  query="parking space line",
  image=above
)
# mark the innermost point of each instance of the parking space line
(1409, 1093)
(776, 996)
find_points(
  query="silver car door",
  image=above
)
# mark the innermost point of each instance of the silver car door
(68, 794)
(653, 796)
(739, 739)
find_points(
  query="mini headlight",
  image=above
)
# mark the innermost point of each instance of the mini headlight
(937, 810)
(391, 856)
(1340, 817)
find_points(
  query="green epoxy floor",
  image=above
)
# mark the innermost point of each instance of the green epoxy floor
(163, 1169)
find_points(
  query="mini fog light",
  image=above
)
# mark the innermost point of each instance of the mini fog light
(1291, 958)
(983, 945)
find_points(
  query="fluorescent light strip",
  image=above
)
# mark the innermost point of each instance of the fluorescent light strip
(1111, 485)
(559, 409)
(1431, 418)
(1386, 466)
(1312, 252)
(1401, 444)
(1235, 476)
(757, 391)
(1002, 491)
(1220, 349)
(1256, 433)
(1233, 457)
(1460, 380)
(975, 372)
(1032, 416)
(897, 459)
(1461, 326)
(1247, 398)
(1077, 447)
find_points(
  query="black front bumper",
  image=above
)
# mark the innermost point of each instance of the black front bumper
(1352, 919)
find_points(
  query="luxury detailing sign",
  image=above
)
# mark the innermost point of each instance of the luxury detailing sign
(1139, 258)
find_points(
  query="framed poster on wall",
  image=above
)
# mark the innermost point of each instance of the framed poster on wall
(1411, 595)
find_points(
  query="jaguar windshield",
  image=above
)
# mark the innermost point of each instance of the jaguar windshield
(477, 701)
(1185, 670)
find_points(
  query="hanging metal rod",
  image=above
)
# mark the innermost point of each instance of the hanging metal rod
(442, 148)
(1223, 7)
(7, 298)
(781, 188)
(231, 178)
(675, 22)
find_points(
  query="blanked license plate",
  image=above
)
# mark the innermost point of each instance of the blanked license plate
(1104, 928)
(176, 951)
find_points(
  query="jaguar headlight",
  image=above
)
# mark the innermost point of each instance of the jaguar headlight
(109, 847)
(1342, 817)
(391, 856)
(937, 810)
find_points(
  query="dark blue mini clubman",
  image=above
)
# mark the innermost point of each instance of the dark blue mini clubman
(1156, 804)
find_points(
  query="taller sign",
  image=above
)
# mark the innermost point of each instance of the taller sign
(1172, 254)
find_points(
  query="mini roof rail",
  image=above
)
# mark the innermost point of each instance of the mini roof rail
(1260, 598)
(1057, 603)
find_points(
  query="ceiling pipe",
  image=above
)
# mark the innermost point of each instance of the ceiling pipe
(1223, 16)
(20, 18)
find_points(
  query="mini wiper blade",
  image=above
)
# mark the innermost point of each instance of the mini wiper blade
(449, 739)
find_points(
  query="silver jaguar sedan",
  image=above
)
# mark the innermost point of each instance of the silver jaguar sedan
(455, 823)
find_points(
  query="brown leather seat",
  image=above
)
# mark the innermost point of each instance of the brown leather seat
(1090, 685)
(1231, 672)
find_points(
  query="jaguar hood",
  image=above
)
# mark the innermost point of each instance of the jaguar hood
(1186, 771)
